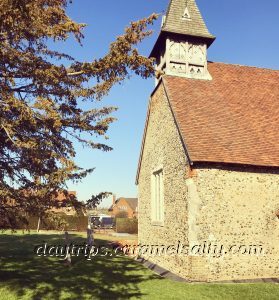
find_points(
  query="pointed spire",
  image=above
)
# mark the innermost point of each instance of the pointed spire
(184, 17)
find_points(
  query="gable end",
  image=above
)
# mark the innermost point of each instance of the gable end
(160, 85)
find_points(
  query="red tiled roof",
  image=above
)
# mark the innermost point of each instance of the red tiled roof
(232, 119)
(132, 202)
(61, 197)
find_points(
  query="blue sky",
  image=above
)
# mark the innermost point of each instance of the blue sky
(247, 34)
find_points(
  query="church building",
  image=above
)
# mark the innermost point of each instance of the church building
(208, 173)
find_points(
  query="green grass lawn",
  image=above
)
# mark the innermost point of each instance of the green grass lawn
(26, 276)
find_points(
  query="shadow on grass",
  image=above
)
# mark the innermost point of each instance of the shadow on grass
(22, 272)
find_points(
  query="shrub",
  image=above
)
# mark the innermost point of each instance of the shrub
(76, 223)
(125, 225)
(122, 215)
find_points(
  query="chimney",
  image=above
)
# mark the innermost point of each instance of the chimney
(113, 199)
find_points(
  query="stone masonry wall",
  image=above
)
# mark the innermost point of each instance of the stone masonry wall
(164, 148)
(223, 206)
(238, 208)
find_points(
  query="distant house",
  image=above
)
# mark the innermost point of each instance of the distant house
(124, 207)
(67, 210)
(59, 200)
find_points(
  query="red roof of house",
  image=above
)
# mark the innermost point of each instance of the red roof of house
(61, 197)
(233, 118)
(132, 202)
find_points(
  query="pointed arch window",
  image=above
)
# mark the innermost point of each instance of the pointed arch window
(157, 197)
(186, 14)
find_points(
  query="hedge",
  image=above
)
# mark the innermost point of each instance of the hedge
(125, 225)
(60, 222)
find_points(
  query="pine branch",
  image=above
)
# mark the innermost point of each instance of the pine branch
(7, 132)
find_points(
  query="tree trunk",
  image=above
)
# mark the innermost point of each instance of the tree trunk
(39, 223)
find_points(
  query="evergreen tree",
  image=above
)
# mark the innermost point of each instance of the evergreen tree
(40, 93)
